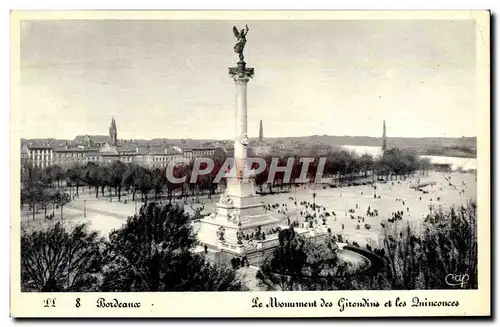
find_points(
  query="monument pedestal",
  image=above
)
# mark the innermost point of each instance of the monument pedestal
(239, 213)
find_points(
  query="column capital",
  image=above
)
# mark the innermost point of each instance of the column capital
(241, 73)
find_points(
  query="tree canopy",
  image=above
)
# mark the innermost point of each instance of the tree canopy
(153, 251)
(55, 260)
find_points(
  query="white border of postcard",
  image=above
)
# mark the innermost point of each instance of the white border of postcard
(239, 304)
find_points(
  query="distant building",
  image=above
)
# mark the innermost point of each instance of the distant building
(261, 149)
(98, 141)
(91, 140)
(40, 156)
(94, 156)
(203, 152)
(319, 149)
(103, 149)
(25, 159)
(161, 159)
(187, 153)
(67, 156)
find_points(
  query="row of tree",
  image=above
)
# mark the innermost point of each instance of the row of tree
(152, 252)
(117, 177)
(38, 190)
(412, 258)
(344, 167)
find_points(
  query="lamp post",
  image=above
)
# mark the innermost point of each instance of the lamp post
(84, 208)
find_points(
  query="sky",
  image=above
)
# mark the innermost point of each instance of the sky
(169, 79)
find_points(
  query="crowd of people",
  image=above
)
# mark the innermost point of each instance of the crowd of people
(309, 214)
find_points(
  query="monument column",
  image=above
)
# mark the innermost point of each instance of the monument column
(239, 211)
(241, 113)
(241, 75)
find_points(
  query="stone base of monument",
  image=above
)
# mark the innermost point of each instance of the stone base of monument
(254, 250)
(240, 213)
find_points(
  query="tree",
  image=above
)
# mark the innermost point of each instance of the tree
(159, 178)
(90, 174)
(31, 193)
(31, 187)
(172, 187)
(366, 164)
(283, 270)
(129, 178)
(103, 176)
(424, 165)
(395, 162)
(304, 264)
(153, 252)
(56, 173)
(421, 259)
(46, 197)
(55, 260)
(186, 170)
(144, 182)
(73, 176)
(261, 179)
(62, 198)
(115, 177)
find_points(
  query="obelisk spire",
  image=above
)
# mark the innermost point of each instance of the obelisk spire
(261, 132)
(384, 138)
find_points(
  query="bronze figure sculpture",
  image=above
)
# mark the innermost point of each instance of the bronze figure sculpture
(241, 37)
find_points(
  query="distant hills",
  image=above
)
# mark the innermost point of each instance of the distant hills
(392, 142)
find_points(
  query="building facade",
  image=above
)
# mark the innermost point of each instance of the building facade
(103, 149)
(40, 156)
(67, 156)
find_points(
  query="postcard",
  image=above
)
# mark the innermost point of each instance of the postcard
(250, 164)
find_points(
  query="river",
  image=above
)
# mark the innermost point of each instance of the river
(454, 162)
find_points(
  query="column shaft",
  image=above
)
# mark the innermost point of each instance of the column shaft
(240, 150)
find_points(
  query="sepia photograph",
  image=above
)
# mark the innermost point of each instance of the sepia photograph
(252, 156)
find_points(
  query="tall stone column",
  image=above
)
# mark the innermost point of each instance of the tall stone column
(241, 75)
(241, 118)
(239, 211)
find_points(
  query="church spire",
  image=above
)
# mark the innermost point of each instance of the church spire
(384, 138)
(261, 132)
